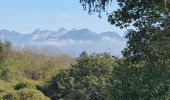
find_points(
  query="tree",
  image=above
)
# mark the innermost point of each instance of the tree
(149, 38)
(148, 42)
(86, 80)
(149, 19)
(137, 82)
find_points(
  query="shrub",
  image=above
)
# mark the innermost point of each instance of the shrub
(26, 84)
(9, 96)
(4, 88)
(26, 94)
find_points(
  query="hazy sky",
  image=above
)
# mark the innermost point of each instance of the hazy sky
(26, 15)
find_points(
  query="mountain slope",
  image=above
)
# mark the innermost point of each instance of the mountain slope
(83, 34)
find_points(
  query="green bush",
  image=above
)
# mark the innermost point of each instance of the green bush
(9, 96)
(85, 80)
(4, 88)
(26, 84)
(26, 94)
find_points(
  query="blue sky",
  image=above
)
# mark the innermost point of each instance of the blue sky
(26, 15)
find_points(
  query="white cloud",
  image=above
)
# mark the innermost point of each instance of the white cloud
(67, 42)
(106, 39)
(69, 17)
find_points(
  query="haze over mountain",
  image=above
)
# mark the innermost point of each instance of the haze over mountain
(68, 41)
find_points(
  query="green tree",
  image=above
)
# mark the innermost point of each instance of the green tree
(86, 80)
(137, 82)
(148, 42)
(149, 19)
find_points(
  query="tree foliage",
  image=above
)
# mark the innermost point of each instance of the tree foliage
(138, 82)
(144, 74)
(95, 5)
(149, 19)
(86, 80)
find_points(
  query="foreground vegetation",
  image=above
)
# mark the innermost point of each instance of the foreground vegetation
(28, 76)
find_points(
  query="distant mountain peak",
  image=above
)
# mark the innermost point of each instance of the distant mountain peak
(85, 29)
(36, 31)
(74, 29)
(62, 30)
(82, 34)
(4, 30)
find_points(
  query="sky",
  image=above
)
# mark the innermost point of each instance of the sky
(27, 15)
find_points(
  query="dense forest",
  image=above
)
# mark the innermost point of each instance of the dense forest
(143, 73)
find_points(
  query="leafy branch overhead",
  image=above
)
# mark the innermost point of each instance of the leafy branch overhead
(95, 5)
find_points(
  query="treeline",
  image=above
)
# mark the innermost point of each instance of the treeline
(29, 76)
(103, 77)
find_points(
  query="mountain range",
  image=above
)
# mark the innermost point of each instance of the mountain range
(67, 41)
